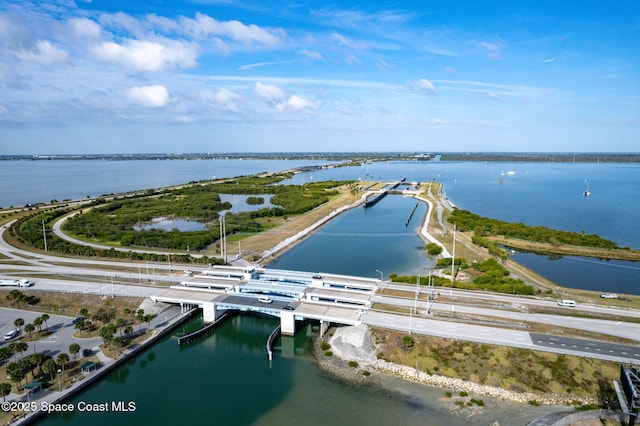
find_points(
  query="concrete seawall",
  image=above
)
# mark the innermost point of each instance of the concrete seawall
(161, 329)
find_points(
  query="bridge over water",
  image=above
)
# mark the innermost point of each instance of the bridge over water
(289, 295)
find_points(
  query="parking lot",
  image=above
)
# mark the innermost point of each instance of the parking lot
(61, 328)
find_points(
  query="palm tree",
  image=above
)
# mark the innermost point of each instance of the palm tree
(16, 373)
(49, 367)
(45, 317)
(39, 358)
(62, 359)
(18, 322)
(21, 347)
(120, 322)
(29, 328)
(74, 348)
(38, 323)
(5, 389)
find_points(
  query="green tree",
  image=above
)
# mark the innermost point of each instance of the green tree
(16, 297)
(39, 358)
(49, 367)
(5, 352)
(21, 347)
(18, 322)
(120, 323)
(16, 373)
(84, 312)
(147, 318)
(30, 328)
(62, 359)
(5, 389)
(38, 323)
(74, 348)
(45, 317)
(117, 343)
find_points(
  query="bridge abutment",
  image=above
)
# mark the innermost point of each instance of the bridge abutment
(209, 312)
(287, 323)
(324, 326)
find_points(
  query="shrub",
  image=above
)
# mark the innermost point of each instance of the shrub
(463, 393)
(433, 249)
(328, 353)
(325, 346)
(407, 341)
(353, 364)
(366, 373)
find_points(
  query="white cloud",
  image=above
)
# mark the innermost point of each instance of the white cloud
(422, 84)
(205, 26)
(84, 27)
(295, 103)
(269, 93)
(311, 54)
(151, 96)
(44, 53)
(224, 98)
(493, 50)
(144, 55)
(275, 96)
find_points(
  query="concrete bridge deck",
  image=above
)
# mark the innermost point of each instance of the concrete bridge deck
(290, 295)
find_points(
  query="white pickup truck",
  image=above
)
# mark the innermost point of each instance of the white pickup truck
(16, 283)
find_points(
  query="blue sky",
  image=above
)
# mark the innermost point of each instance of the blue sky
(253, 76)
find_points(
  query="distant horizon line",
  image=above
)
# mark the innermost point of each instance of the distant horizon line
(310, 153)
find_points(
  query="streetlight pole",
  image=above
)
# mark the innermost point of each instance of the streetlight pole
(59, 380)
(415, 303)
(44, 235)
(381, 275)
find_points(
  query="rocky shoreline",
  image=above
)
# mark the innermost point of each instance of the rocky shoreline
(353, 360)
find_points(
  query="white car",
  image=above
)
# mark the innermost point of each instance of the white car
(11, 334)
(609, 296)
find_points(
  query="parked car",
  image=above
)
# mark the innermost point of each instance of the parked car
(11, 334)
(77, 320)
(569, 303)
(86, 352)
(609, 296)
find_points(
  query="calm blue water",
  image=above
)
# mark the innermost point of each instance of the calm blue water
(364, 241)
(548, 194)
(225, 379)
(31, 182)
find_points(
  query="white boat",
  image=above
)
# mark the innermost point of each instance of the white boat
(586, 192)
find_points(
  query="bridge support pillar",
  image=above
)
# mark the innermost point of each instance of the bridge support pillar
(324, 326)
(287, 323)
(209, 312)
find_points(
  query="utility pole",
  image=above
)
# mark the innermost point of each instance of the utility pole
(44, 234)
(453, 258)
(223, 238)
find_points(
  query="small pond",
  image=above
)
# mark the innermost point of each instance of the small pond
(166, 224)
(239, 202)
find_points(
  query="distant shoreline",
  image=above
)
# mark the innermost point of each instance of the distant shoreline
(552, 157)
